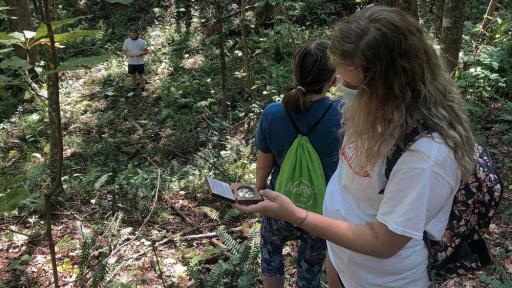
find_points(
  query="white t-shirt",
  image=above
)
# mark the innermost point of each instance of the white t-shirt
(135, 47)
(417, 198)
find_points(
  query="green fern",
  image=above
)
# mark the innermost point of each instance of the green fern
(212, 213)
(232, 215)
(101, 181)
(247, 277)
(99, 276)
(491, 281)
(217, 275)
(85, 255)
(239, 268)
(227, 240)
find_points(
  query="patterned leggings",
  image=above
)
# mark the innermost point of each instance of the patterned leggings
(312, 250)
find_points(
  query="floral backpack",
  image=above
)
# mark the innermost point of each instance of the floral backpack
(462, 247)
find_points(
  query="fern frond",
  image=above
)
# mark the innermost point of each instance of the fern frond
(216, 275)
(212, 213)
(85, 255)
(232, 215)
(247, 278)
(254, 242)
(101, 181)
(99, 276)
(227, 240)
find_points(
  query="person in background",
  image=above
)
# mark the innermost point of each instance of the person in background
(134, 49)
(306, 105)
(394, 83)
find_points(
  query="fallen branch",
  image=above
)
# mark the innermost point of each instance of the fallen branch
(197, 236)
(208, 235)
(175, 209)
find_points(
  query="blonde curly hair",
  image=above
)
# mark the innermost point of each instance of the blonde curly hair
(404, 85)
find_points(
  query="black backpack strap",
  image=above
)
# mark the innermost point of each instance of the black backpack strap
(293, 122)
(312, 127)
(409, 139)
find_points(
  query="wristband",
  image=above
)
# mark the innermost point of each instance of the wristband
(303, 220)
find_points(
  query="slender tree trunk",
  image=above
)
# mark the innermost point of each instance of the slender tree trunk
(226, 101)
(451, 35)
(437, 13)
(488, 15)
(246, 47)
(56, 146)
(20, 19)
(289, 26)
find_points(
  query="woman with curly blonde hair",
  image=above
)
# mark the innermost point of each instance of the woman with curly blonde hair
(393, 82)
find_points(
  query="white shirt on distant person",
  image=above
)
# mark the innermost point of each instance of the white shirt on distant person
(135, 47)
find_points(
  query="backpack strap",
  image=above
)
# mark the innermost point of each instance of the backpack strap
(409, 139)
(312, 127)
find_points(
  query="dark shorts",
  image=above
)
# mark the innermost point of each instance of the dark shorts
(135, 69)
(312, 249)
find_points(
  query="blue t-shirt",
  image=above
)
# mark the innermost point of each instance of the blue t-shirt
(276, 133)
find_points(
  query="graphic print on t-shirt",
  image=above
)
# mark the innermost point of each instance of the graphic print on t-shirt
(348, 153)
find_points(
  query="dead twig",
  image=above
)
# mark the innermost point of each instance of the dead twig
(209, 235)
(160, 272)
(175, 209)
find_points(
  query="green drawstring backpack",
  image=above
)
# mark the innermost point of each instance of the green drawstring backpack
(301, 177)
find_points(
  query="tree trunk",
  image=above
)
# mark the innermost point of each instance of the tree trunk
(226, 101)
(488, 15)
(437, 14)
(246, 47)
(289, 26)
(56, 146)
(52, 9)
(20, 19)
(451, 35)
(409, 6)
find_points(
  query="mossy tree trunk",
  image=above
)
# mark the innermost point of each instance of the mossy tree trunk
(437, 17)
(451, 34)
(222, 58)
(247, 61)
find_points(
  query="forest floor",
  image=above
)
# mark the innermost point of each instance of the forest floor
(104, 127)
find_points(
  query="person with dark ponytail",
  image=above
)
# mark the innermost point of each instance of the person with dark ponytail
(305, 110)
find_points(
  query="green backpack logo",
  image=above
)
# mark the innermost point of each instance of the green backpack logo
(301, 177)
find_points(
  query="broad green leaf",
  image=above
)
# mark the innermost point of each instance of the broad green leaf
(4, 81)
(29, 34)
(42, 30)
(125, 2)
(9, 39)
(15, 63)
(9, 201)
(70, 36)
(17, 35)
(6, 50)
(79, 63)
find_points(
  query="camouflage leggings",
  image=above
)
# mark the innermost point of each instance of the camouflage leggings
(274, 234)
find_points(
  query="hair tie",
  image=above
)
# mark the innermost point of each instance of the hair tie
(301, 88)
